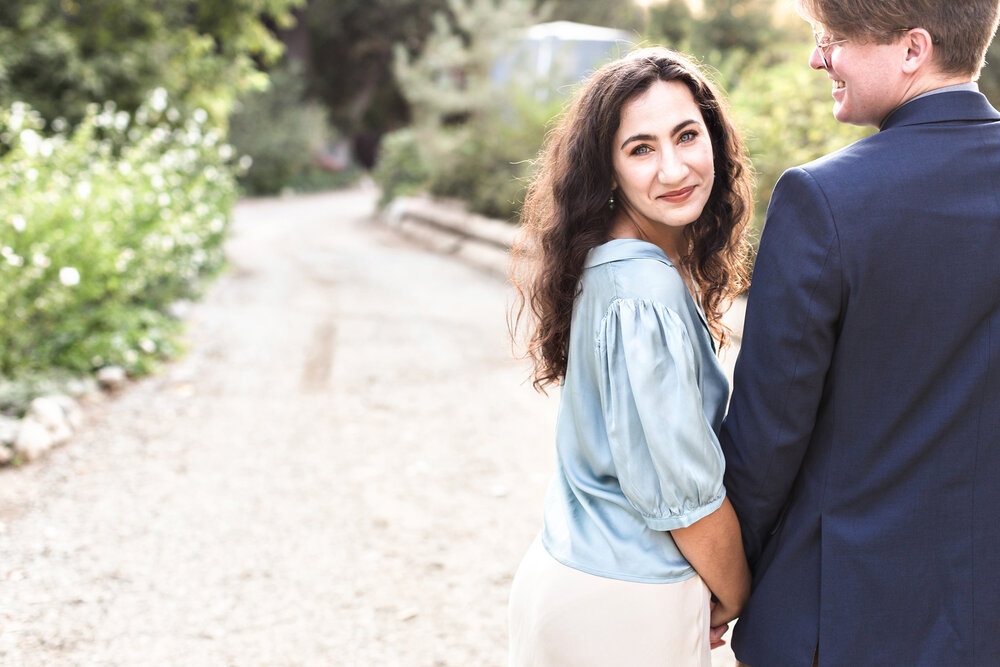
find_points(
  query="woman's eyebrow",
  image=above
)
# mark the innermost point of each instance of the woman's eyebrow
(649, 137)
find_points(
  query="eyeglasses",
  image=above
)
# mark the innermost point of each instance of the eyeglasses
(823, 43)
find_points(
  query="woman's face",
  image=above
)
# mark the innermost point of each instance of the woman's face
(662, 158)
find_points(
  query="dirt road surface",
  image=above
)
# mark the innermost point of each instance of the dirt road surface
(345, 469)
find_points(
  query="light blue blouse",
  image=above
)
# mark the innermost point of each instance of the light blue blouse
(640, 409)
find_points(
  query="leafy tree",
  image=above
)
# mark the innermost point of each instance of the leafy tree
(462, 142)
(624, 14)
(58, 55)
(671, 23)
(728, 25)
(350, 64)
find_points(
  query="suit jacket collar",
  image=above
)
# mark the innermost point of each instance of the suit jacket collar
(942, 108)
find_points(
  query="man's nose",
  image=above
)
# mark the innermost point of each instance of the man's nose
(816, 59)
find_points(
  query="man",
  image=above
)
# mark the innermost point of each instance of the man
(863, 439)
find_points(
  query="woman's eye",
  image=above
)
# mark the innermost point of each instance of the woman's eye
(641, 149)
(690, 135)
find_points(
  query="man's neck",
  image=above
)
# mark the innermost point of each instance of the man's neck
(934, 82)
(928, 86)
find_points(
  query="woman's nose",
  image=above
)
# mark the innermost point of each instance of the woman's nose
(672, 169)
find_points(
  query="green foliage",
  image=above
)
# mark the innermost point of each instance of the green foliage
(671, 23)
(624, 14)
(104, 227)
(402, 168)
(485, 163)
(730, 25)
(282, 132)
(351, 60)
(462, 142)
(59, 55)
(989, 80)
(784, 110)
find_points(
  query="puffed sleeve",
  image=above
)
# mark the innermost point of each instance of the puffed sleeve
(667, 456)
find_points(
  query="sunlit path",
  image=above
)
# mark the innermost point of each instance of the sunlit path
(344, 470)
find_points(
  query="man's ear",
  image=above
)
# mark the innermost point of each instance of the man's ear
(919, 50)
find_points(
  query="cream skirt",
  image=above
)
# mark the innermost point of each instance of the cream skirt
(561, 617)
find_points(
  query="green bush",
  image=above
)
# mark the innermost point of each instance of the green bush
(485, 162)
(402, 168)
(283, 133)
(102, 229)
(491, 160)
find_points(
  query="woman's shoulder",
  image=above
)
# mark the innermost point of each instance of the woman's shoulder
(636, 270)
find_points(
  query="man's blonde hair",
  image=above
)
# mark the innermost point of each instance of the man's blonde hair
(961, 29)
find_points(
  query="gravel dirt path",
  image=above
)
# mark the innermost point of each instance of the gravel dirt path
(345, 469)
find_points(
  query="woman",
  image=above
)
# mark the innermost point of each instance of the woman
(633, 245)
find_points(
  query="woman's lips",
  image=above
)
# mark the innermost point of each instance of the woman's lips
(677, 196)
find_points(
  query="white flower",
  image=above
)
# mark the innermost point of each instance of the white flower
(18, 223)
(226, 151)
(30, 141)
(131, 356)
(121, 120)
(12, 258)
(173, 115)
(147, 346)
(59, 125)
(83, 189)
(163, 199)
(69, 276)
(40, 260)
(158, 100)
(200, 116)
(245, 162)
(31, 175)
(18, 112)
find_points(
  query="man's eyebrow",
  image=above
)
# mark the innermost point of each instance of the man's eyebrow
(649, 137)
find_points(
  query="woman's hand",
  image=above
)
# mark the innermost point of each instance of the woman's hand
(713, 547)
(721, 615)
(715, 633)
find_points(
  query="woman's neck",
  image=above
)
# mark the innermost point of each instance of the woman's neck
(670, 240)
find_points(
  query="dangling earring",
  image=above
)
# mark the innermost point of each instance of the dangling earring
(611, 201)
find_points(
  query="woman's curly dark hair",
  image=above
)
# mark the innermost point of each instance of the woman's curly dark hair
(566, 210)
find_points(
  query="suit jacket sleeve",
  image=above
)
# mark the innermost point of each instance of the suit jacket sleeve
(789, 335)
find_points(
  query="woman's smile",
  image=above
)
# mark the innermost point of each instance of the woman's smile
(678, 196)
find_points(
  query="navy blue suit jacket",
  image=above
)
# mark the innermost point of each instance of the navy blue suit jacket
(863, 439)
